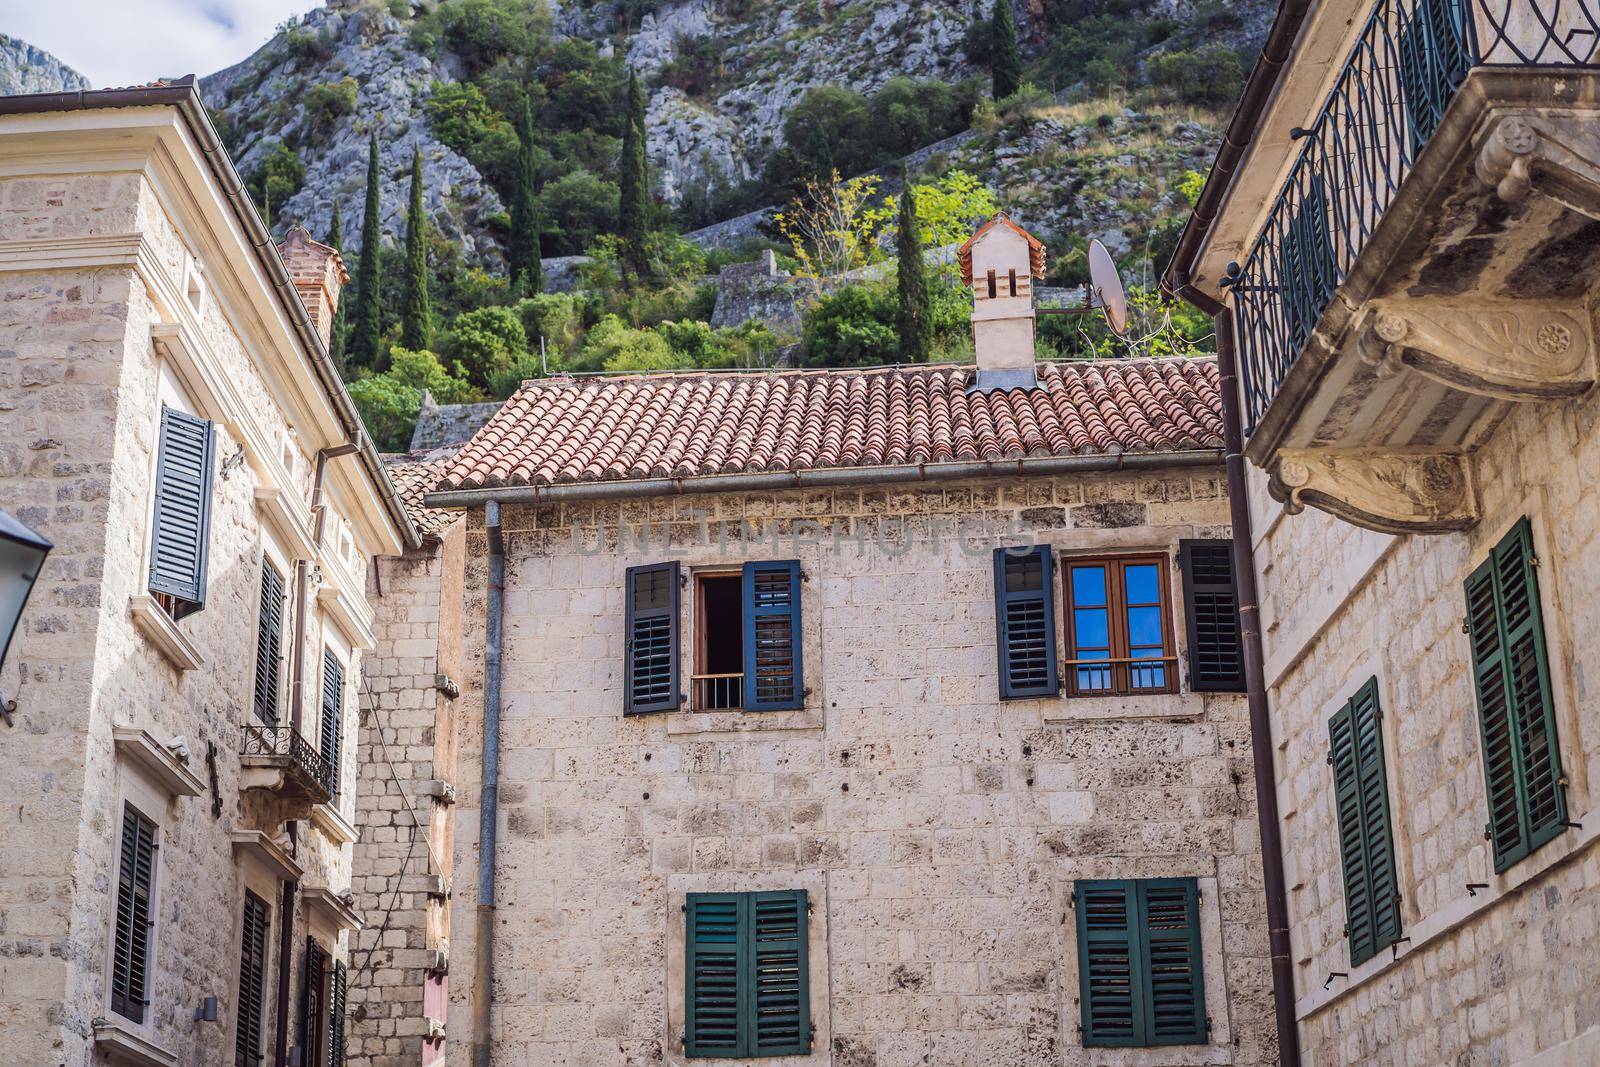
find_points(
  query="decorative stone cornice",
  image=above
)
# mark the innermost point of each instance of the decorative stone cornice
(1511, 351)
(1398, 491)
(1556, 153)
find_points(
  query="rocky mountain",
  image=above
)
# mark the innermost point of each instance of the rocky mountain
(26, 69)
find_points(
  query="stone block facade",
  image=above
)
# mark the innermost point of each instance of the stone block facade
(937, 830)
(1499, 967)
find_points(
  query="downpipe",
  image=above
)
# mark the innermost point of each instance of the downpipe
(285, 955)
(1261, 747)
(488, 800)
(302, 572)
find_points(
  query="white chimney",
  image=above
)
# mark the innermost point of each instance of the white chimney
(1000, 262)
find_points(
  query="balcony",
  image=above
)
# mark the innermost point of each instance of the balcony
(1428, 262)
(280, 760)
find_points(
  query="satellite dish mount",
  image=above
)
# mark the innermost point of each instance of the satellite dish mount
(1103, 293)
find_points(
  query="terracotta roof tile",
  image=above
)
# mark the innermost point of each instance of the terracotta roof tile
(412, 479)
(561, 431)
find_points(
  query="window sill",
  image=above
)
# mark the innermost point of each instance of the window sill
(140, 750)
(122, 1043)
(1162, 1055)
(1132, 707)
(334, 826)
(688, 723)
(162, 632)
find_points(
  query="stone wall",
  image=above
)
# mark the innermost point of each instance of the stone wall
(402, 861)
(1495, 975)
(937, 830)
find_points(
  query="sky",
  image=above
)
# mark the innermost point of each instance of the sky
(130, 42)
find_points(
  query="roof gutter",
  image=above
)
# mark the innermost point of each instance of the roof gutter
(184, 94)
(1241, 134)
(831, 476)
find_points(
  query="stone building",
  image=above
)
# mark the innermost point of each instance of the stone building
(176, 856)
(1400, 243)
(855, 717)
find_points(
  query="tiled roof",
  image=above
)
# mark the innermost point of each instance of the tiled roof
(558, 431)
(412, 479)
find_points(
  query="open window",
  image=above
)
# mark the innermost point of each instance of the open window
(718, 641)
(747, 638)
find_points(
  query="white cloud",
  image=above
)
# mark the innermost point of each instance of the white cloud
(130, 42)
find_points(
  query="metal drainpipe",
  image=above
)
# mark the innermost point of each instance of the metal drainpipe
(1261, 746)
(301, 580)
(488, 804)
(285, 954)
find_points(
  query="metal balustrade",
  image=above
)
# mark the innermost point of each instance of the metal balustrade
(1407, 65)
(298, 755)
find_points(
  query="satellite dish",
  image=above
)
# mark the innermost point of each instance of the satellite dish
(1105, 288)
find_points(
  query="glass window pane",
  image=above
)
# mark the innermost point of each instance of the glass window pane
(1144, 629)
(1141, 585)
(1089, 631)
(1089, 586)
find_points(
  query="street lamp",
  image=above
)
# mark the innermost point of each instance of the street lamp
(22, 554)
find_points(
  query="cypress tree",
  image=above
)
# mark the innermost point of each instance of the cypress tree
(366, 325)
(336, 332)
(914, 321)
(1005, 62)
(635, 182)
(416, 317)
(527, 267)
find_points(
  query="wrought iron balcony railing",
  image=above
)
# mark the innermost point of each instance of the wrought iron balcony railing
(298, 757)
(1407, 65)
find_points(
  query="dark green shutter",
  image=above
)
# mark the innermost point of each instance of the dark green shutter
(336, 1003)
(1211, 605)
(1140, 969)
(130, 957)
(252, 982)
(748, 979)
(312, 1006)
(332, 714)
(182, 516)
(774, 674)
(1521, 754)
(1432, 57)
(650, 643)
(1307, 271)
(269, 644)
(1025, 622)
(1366, 835)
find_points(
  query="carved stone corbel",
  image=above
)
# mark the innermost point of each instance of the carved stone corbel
(1520, 351)
(1398, 491)
(1557, 155)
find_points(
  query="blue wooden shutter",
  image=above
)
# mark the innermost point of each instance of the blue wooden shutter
(774, 674)
(1211, 606)
(1108, 994)
(1366, 837)
(252, 983)
(130, 957)
(183, 508)
(779, 1001)
(336, 1003)
(715, 1003)
(1521, 754)
(1025, 622)
(1174, 986)
(332, 715)
(269, 644)
(650, 680)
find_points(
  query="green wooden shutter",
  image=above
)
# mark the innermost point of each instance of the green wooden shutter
(1174, 980)
(650, 681)
(1521, 753)
(1366, 837)
(130, 957)
(269, 644)
(1307, 271)
(182, 517)
(1025, 623)
(1140, 970)
(774, 669)
(252, 982)
(336, 1005)
(1211, 606)
(715, 1008)
(313, 1015)
(332, 715)
(779, 1002)
(1108, 995)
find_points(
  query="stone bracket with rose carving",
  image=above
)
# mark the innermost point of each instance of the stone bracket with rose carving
(1398, 491)
(1553, 153)
(1510, 351)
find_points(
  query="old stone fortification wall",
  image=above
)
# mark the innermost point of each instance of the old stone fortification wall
(937, 829)
(1501, 975)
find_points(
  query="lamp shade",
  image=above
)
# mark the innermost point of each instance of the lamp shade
(22, 554)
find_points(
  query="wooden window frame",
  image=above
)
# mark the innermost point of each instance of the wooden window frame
(1120, 659)
(697, 701)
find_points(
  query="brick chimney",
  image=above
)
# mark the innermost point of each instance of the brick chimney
(318, 274)
(1000, 262)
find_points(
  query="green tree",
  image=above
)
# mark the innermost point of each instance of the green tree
(366, 326)
(633, 206)
(1005, 62)
(526, 266)
(416, 317)
(336, 330)
(913, 320)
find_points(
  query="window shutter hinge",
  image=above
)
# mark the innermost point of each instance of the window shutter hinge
(805, 576)
(1330, 757)
(1488, 831)
(1466, 625)
(806, 692)
(683, 579)
(1533, 561)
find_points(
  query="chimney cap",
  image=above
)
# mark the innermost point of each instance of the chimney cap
(1000, 218)
(299, 239)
